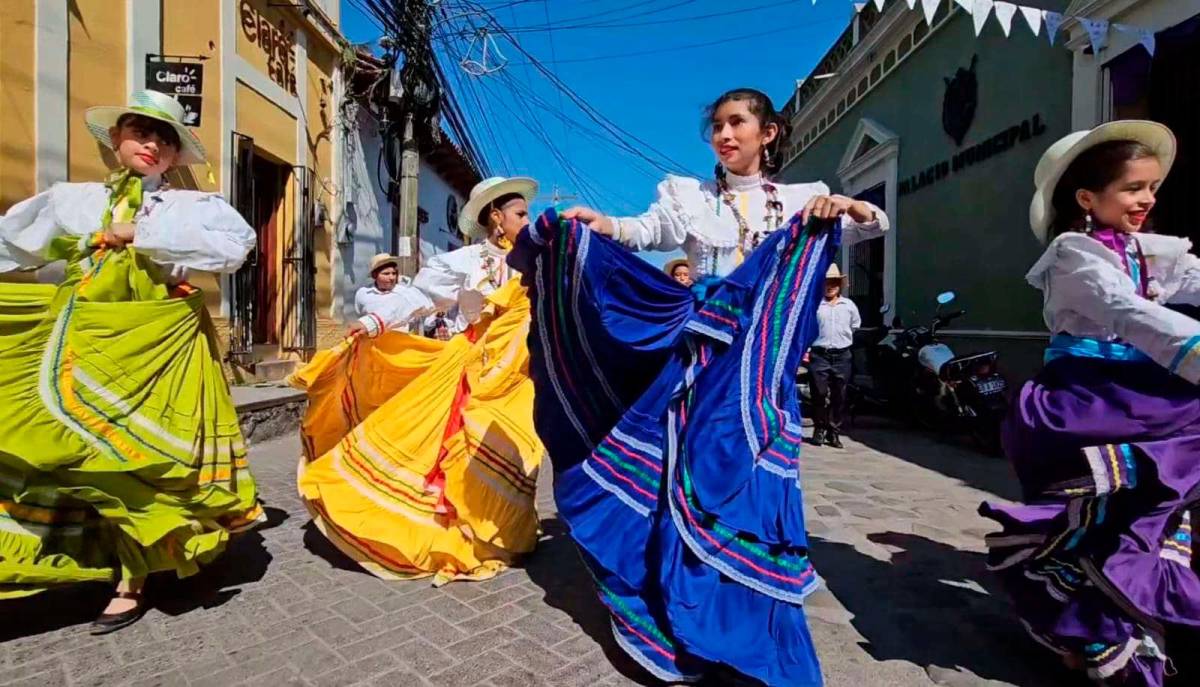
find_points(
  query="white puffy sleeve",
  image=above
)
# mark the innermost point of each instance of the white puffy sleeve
(666, 224)
(405, 304)
(1084, 283)
(360, 307)
(26, 230)
(1175, 269)
(196, 230)
(441, 281)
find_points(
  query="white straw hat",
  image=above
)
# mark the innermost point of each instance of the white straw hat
(382, 260)
(1058, 158)
(150, 104)
(487, 191)
(835, 272)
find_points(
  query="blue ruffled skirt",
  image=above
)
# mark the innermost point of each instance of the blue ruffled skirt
(674, 429)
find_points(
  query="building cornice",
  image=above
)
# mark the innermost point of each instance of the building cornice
(880, 48)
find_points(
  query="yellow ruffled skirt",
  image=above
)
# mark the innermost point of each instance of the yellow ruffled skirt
(420, 455)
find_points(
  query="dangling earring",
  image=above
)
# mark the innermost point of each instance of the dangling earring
(766, 161)
(1088, 225)
(502, 240)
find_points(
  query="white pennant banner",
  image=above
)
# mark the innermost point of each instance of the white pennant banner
(1097, 31)
(965, 4)
(1005, 11)
(879, 5)
(1144, 36)
(931, 8)
(1053, 20)
(979, 12)
(912, 4)
(1033, 16)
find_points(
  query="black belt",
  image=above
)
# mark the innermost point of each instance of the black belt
(821, 350)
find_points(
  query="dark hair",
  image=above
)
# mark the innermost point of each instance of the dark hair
(760, 106)
(165, 132)
(498, 203)
(1093, 170)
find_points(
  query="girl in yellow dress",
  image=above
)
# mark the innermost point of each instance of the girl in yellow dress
(420, 455)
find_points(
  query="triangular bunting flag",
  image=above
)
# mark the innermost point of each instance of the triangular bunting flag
(965, 4)
(1033, 16)
(879, 5)
(1097, 31)
(1144, 36)
(1053, 20)
(1005, 11)
(858, 7)
(931, 8)
(979, 12)
(912, 4)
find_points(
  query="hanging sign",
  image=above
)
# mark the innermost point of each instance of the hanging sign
(183, 80)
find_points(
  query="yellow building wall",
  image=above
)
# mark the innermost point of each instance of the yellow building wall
(96, 75)
(18, 161)
(271, 127)
(194, 28)
(265, 39)
(321, 114)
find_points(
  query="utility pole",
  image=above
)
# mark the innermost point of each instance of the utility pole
(409, 229)
(418, 103)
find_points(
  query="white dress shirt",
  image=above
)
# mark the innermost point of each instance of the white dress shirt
(690, 215)
(837, 320)
(392, 306)
(461, 279)
(1087, 293)
(178, 230)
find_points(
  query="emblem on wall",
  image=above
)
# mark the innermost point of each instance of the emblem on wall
(960, 102)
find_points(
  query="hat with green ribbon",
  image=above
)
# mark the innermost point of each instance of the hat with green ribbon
(154, 105)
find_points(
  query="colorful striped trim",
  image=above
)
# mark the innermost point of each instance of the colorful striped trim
(1185, 353)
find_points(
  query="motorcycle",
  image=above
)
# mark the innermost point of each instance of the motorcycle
(940, 390)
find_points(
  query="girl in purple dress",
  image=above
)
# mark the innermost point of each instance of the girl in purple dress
(1106, 439)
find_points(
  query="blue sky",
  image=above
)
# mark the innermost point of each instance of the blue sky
(656, 97)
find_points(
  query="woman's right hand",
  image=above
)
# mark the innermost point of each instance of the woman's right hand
(119, 234)
(596, 221)
(356, 329)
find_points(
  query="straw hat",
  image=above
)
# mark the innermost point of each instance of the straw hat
(150, 104)
(835, 273)
(487, 191)
(669, 268)
(1058, 158)
(383, 260)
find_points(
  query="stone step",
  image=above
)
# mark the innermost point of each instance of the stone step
(266, 411)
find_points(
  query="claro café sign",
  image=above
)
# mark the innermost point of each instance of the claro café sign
(276, 41)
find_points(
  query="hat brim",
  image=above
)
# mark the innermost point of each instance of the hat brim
(669, 268)
(467, 219)
(391, 262)
(1150, 134)
(100, 120)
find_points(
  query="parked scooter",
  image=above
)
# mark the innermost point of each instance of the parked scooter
(939, 390)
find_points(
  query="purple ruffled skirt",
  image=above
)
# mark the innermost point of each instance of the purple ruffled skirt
(1099, 559)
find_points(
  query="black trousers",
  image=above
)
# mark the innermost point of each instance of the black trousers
(829, 370)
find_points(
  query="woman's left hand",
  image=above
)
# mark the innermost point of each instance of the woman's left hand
(833, 207)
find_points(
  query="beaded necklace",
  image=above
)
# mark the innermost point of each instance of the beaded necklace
(748, 240)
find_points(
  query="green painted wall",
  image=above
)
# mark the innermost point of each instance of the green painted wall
(970, 231)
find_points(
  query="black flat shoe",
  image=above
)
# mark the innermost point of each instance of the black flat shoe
(834, 441)
(818, 438)
(111, 622)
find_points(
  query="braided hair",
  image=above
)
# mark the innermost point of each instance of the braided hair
(761, 107)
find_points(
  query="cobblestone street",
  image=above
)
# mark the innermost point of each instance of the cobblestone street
(894, 534)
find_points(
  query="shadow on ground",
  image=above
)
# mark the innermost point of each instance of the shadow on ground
(949, 456)
(244, 561)
(926, 606)
(556, 568)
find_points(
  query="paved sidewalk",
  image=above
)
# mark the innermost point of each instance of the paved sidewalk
(894, 533)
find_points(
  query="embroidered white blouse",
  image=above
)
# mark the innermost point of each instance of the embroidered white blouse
(177, 229)
(461, 279)
(1087, 293)
(690, 215)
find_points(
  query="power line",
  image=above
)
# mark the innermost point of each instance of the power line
(548, 27)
